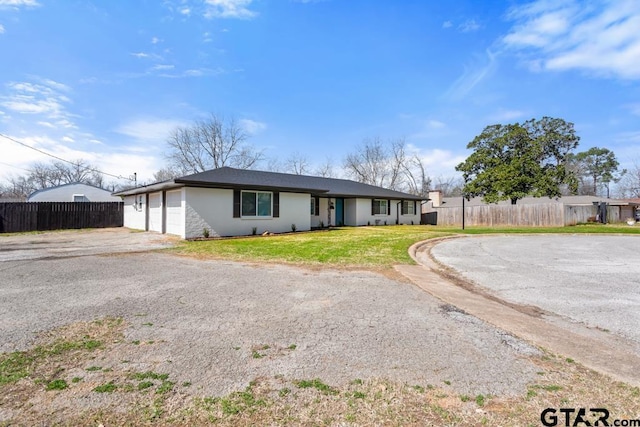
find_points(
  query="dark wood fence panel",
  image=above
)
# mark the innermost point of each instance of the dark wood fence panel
(41, 216)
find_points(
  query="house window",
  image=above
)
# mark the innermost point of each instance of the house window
(313, 206)
(256, 204)
(80, 198)
(379, 207)
(408, 207)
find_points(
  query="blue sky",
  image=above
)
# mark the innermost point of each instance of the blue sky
(108, 81)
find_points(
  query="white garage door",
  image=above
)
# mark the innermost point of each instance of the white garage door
(175, 224)
(155, 212)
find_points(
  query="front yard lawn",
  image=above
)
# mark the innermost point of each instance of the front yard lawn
(347, 246)
(380, 247)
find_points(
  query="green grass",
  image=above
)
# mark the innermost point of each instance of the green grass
(109, 387)
(317, 384)
(358, 246)
(347, 246)
(20, 364)
(145, 385)
(149, 375)
(57, 385)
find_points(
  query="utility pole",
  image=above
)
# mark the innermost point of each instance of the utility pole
(463, 212)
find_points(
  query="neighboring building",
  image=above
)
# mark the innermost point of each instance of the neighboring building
(73, 192)
(236, 202)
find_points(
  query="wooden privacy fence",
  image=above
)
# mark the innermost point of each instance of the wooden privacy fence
(542, 215)
(40, 216)
(533, 215)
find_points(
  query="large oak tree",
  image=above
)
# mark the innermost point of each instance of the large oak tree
(513, 161)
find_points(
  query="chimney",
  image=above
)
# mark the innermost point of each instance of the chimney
(436, 198)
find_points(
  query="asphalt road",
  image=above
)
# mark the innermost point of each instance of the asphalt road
(590, 279)
(201, 321)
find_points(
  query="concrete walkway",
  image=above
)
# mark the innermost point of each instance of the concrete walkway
(594, 348)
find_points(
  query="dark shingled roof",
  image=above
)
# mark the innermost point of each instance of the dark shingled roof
(227, 177)
(246, 178)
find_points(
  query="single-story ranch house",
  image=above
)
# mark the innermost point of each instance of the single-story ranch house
(236, 202)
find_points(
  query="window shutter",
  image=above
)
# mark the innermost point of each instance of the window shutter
(276, 204)
(403, 206)
(317, 212)
(415, 212)
(388, 207)
(373, 206)
(236, 203)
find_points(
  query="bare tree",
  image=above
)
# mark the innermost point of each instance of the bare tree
(44, 175)
(418, 182)
(449, 186)
(211, 144)
(274, 165)
(629, 186)
(387, 165)
(297, 164)
(18, 188)
(371, 163)
(326, 169)
(166, 174)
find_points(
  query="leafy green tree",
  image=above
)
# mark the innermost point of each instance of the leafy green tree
(513, 161)
(600, 166)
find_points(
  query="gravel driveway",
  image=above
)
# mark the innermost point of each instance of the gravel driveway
(70, 243)
(202, 321)
(591, 279)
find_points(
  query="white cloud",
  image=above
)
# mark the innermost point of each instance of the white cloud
(196, 72)
(447, 24)
(600, 37)
(41, 120)
(46, 124)
(150, 129)
(473, 74)
(18, 3)
(163, 67)
(155, 40)
(634, 109)
(506, 115)
(145, 55)
(229, 9)
(43, 98)
(626, 138)
(185, 11)
(468, 26)
(1, 29)
(252, 127)
(117, 162)
(439, 162)
(435, 124)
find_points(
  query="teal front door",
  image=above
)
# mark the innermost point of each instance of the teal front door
(339, 212)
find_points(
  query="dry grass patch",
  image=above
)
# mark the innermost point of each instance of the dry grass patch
(120, 396)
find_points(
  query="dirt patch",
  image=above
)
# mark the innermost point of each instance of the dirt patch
(122, 394)
(77, 243)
